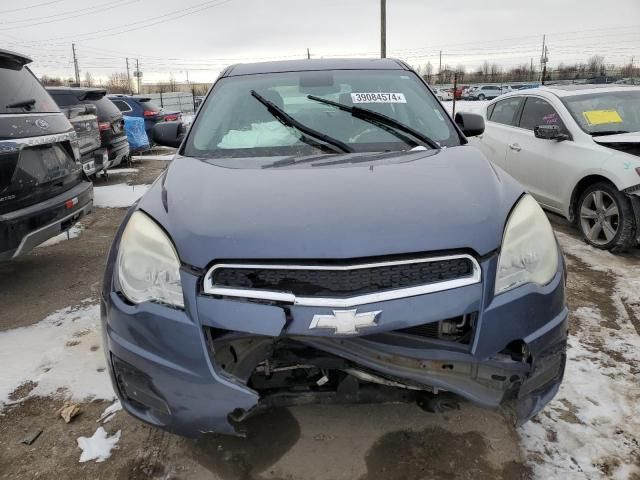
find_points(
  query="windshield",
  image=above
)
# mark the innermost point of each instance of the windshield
(233, 123)
(17, 86)
(607, 112)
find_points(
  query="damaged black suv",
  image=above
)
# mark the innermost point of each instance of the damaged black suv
(43, 190)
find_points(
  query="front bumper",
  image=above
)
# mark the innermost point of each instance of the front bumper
(164, 370)
(24, 229)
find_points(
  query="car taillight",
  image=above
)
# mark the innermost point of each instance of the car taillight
(170, 118)
(103, 126)
(150, 113)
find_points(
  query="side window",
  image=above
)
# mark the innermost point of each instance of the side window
(490, 110)
(505, 110)
(122, 105)
(538, 112)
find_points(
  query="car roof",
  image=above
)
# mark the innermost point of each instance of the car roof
(315, 65)
(565, 90)
(562, 91)
(18, 57)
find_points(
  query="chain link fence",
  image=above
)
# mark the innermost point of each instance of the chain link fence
(180, 101)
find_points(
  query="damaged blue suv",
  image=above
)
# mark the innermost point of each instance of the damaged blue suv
(325, 233)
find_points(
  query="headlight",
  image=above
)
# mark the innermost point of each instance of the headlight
(529, 252)
(148, 265)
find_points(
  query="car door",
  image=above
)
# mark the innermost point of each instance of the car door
(542, 166)
(491, 92)
(500, 124)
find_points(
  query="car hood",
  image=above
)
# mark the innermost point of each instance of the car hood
(631, 137)
(424, 202)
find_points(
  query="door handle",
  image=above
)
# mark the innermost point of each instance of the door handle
(515, 146)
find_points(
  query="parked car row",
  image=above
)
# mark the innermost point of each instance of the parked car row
(43, 188)
(110, 124)
(52, 144)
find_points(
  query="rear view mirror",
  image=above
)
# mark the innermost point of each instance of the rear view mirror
(471, 124)
(169, 134)
(549, 132)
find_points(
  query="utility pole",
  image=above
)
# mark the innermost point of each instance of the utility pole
(308, 54)
(542, 57)
(128, 78)
(138, 74)
(531, 70)
(440, 69)
(75, 64)
(383, 28)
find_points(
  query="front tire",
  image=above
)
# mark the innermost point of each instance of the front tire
(605, 218)
(481, 96)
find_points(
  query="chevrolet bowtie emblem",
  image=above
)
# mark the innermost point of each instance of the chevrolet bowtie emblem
(345, 322)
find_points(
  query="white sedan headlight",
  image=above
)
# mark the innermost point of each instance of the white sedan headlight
(529, 252)
(148, 265)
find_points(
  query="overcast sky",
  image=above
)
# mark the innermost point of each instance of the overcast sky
(201, 37)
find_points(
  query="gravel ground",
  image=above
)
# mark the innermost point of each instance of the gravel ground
(395, 441)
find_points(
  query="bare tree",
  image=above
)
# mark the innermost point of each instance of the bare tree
(172, 83)
(88, 79)
(428, 72)
(495, 72)
(595, 65)
(118, 83)
(51, 81)
(629, 70)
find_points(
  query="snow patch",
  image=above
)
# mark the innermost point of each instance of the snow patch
(63, 351)
(121, 171)
(590, 430)
(98, 447)
(110, 412)
(73, 232)
(118, 196)
(163, 158)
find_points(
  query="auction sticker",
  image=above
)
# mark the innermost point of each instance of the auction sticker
(602, 117)
(378, 97)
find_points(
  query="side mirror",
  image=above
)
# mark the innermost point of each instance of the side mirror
(549, 132)
(471, 124)
(169, 134)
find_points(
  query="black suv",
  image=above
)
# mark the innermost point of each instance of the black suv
(43, 190)
(110, 121)
(84, 119)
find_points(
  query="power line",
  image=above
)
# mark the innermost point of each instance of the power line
(167, 17)
(72, 14)
(31, 6)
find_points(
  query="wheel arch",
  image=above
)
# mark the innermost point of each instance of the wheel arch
(580, 187)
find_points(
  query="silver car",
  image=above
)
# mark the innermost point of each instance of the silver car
(485, 92)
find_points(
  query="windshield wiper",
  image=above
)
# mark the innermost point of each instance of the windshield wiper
(289, 121)
(23, 104)
(380, 120)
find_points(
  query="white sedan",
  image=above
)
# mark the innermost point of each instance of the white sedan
(443, 94)
(576, 148)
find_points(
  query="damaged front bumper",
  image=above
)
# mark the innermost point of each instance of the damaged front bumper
(197, 370)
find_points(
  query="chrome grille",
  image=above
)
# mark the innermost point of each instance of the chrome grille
(342, 285)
